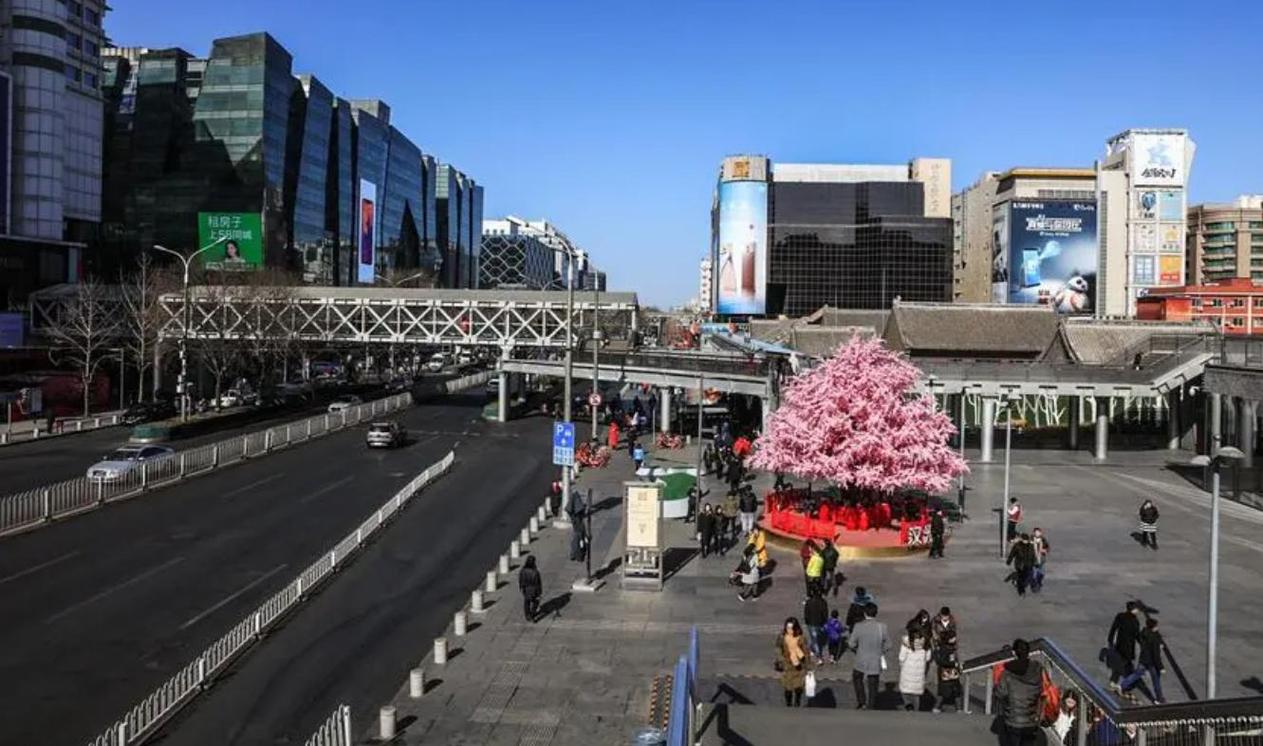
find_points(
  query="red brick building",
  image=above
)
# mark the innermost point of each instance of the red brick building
(1235, 305)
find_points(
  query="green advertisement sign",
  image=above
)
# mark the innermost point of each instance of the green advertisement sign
(243, 244)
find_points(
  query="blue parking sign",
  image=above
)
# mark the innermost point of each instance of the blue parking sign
(563, 443)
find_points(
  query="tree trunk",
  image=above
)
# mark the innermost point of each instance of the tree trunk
(87, 383)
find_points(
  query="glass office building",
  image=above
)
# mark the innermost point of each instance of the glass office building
(307, 169)
(447, 224)
(401, 207)
(340, 192)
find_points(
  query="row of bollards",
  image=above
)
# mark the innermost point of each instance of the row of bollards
(387, 724)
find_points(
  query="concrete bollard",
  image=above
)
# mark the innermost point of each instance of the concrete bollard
(386, 722)
(475, 602)
(525, 538)
(460, 624)
(504, 564)
(416, 683)
(440, 650)
(541, 515)
(515, 550)
(492, 581)
(534, 525)
(548, 508)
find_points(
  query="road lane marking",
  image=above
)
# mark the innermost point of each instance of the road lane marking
(233, 596)
(37, 568)
(252, 485)
(114, 589)
(326, 489)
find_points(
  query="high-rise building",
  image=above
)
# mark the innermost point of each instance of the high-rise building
(705, 288)
(1225, 241)
(51, 125)
(788, 238)
(971, 240)
(513, 260)
(558, 244)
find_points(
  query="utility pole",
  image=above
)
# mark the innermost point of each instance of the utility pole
(182, 383)
(596, 356)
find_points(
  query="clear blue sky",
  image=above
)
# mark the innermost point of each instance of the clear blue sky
(611, 118)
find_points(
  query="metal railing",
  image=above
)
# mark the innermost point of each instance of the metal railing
(43, 505)
(335, 730)
(143, 720)
(1103, 719)
(684, 698)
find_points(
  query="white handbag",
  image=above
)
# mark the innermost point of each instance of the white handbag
(809, 684)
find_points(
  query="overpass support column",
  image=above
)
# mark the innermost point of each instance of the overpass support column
(1074, 423)
(1214, 433)
(1102, 428)
(1248, 415)
(664, 416)
(1173, 419)
(987, 429)
(503, 391)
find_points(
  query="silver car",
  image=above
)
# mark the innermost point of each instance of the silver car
(385, 435)
(126, 459)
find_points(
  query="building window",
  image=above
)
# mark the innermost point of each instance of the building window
(89, 79)
(73, 73)
(1238, 302)
(1238, 321)
(91, 17)
(1197, 303)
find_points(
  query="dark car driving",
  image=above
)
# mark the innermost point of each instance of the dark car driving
(149, 411)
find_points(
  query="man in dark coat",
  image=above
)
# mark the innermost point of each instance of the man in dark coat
(855, 613)
(1123, 636)
(532, 586)
(1151, 645)
(1018, 694)
(1022, 557)
(937, 529)
(578, 530)
(706, 528)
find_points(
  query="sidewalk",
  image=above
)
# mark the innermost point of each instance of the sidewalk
(25, 431)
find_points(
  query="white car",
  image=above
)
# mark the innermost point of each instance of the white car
(124, 460)
(344, 402)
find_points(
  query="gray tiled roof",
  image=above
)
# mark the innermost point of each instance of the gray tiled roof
(1115, 342)
(962, 329)
(824, 341)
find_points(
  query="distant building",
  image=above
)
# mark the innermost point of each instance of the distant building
(1225, 240)
(788, 238)
(705, 288)
(1234, 305)
(513, 258)
(50, 142)
(558, 243)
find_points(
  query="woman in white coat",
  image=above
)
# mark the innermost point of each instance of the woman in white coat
(914, 662)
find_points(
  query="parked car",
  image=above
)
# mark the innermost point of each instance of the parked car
(149, 411)
(126, 459)
(346, 401)
(465, 358)
(385, 435)
(231, 398)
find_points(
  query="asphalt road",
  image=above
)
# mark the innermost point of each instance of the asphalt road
(99, 611)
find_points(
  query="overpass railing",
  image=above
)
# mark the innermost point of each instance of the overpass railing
(713, 364)
(43, 505)
(1102, 719)
(145, 718)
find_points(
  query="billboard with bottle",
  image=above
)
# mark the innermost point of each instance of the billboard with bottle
(741, 262)
(1053, 254)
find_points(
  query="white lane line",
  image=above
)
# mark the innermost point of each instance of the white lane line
(39, 567)
(230, 598)
(326, 489)
(252, 485)
(114, 589)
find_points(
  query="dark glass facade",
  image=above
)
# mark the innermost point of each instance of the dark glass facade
(854, 245)
(340, 188)
(306, 174)
(401, 206)
(447, 223)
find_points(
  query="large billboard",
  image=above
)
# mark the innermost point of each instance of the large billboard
(242, 232)
(1158, 160)
(1052, 250)
(741, 266)
(367, 236)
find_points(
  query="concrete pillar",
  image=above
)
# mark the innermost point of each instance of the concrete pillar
(765, 405)
(1102, 429)
(503, 392)
(1249, 412)
(1074, 422)
(664, 401)
(1173, 419)
(988, 429)
(1215, 431)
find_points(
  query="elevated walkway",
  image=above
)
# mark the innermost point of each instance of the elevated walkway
(754, 376)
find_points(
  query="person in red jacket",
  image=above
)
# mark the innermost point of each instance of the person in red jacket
(742, 447)
(613, 437)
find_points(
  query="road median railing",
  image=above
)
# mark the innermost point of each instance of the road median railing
(41, 506)
(143, 720)
(335, 730)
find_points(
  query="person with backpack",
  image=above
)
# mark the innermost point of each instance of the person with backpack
(1019, 693)
(855, 613)
(747, 508)
(1041, 548)
(1022, 558)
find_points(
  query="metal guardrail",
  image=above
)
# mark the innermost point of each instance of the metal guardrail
(684, 699)
(1103, 719)
(143, 720)
(65, 427)
(43, 505)
(334, 731)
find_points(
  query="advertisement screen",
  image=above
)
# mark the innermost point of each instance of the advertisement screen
(1053, 254)
(1170, 270)
(741, 265)
(243, 244)
(1158, 160)
(368, 231)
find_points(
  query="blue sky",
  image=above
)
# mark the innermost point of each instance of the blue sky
(611, 118)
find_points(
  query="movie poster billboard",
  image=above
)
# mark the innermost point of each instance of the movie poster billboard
(242, 244)
(367, 235)
(741, 264)
(1052, 249)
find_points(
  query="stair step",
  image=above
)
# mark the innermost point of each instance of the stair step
(724, 725)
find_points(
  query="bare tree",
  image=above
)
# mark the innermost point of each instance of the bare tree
(84, 332)
(218, 328)
(142, 314)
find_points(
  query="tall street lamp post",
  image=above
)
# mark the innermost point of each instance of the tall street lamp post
(1008, 444)
(182, 384)
(1222, 455)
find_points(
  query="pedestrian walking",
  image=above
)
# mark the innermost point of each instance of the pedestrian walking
(758, 540)
(920, 626)
(578, 531)
(638, 456)
(748, 575)
(747, 508)
(814, 571)
(1013, 517)
(943, 629)
(532, 587)
(1066, 726)
(1123, 635)
(831, 577)
(870, 643)
(706, 528)
(1149, 525)
(792, 661)
(947, 659)
(728, 510)
(914, 663)
(855, 613)
(1022, 558)
(815, 616)
(938, 529)
(835, 633)
(1019, 692)
(1151, 645)
(1040, 547)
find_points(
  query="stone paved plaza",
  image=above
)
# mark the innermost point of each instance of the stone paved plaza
(583, 675)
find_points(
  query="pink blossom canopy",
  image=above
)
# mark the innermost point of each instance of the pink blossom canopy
(856, 421)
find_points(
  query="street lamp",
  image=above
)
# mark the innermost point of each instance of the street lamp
(1222, 456)
(182, 384)
(1008, 443)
